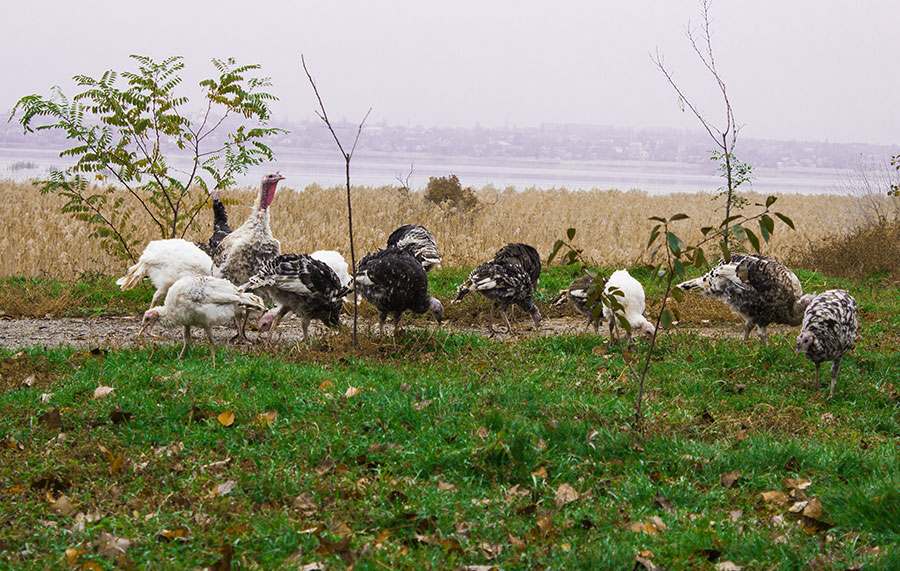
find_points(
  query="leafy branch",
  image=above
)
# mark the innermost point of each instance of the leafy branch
(124, 136)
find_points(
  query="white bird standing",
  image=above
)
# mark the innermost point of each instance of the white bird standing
(629, 292)
(759, 289)
(828, 330)
(164, 262)
(200, 301)
(338, 265)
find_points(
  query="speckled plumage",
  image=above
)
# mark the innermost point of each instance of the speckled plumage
(577, 295)
(242, 253)
(828, 330)
(394, 281)
(525, 256)
(419, 242)
(759, 289)
(301, 284)
(504, 283)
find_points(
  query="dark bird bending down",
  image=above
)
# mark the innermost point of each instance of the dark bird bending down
(504, 283)
(829, 330)
(525, 256)
(301, 284)
(394, 281)
(577, 294)
(759, 289)
(419, 242)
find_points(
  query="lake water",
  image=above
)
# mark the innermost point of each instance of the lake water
(303, 168)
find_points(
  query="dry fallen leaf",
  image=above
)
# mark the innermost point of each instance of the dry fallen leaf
(28, 381)
(116, 462)
(813, 509)
(421, 405)
(446, 486)
(226, 418)
(664, 502)
(61, 506)
(112, 546)
(540, 472)
(224, 488)
(51, 418)
(728, 566)
(178, 534)
(352, 392)
(565, 494)
(267, 418)
(729, 478)
(102, 391)
(776, 497)
(305, 504)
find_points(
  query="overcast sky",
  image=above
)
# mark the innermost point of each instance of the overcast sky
(799, 69)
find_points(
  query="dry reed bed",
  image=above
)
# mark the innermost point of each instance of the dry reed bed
(613, 226)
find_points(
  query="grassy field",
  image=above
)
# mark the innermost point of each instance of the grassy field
(613, 226)
(449, 450)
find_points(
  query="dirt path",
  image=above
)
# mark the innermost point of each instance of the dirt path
(113, 332)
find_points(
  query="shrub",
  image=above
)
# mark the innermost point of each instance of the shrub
(446, 191)
(872, 247)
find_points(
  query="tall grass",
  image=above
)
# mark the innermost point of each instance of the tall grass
(612, 225)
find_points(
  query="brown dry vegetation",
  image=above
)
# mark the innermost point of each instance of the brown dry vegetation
(612, 225)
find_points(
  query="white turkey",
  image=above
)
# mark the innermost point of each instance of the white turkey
(828, 330)
(300, 284)
(504, 283)
(394, 281)
(577, 294)
(220, 224)
(759, 289)
(338, 265)
(419, 242)
(525, 256)
(242, 253)
(164, 262)
(629, 293)
(202, 301)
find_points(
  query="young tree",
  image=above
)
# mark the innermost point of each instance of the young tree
(731, 168)
(124, 137)
(347, 157)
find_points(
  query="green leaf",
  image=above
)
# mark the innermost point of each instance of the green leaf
(786, 220)
(654, 234)
(754, 241)
(675, 243)
(665, 318)
(700, 258)
(679, 268)
(570, 233)
(679, 216)
(678, 294)
(556, 246)
(729, 220)
(657, 219)
(738, 232)
(767, 222)
(763, 230)
(771, 200)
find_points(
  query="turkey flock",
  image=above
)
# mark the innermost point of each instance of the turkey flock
(241, 274)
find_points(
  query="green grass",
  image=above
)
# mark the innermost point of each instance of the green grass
(454, 451)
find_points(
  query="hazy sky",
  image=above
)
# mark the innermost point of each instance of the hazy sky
(797, 69)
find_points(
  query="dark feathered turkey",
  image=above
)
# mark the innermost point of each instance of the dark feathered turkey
(759, 289)
(829, 330)
(301, 284)
(525, 256)
(394, 281)
(220, 225)
(504, 283)
(419, 242)
(577, 294)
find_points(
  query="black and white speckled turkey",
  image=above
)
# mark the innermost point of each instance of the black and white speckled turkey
(419, 242)
(759, 289)
(525, 256)
(394, 281)
(301, 284)
(829, 330)
(504, 283)
(577, 295)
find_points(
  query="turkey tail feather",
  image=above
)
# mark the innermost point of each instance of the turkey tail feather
(134, 276)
